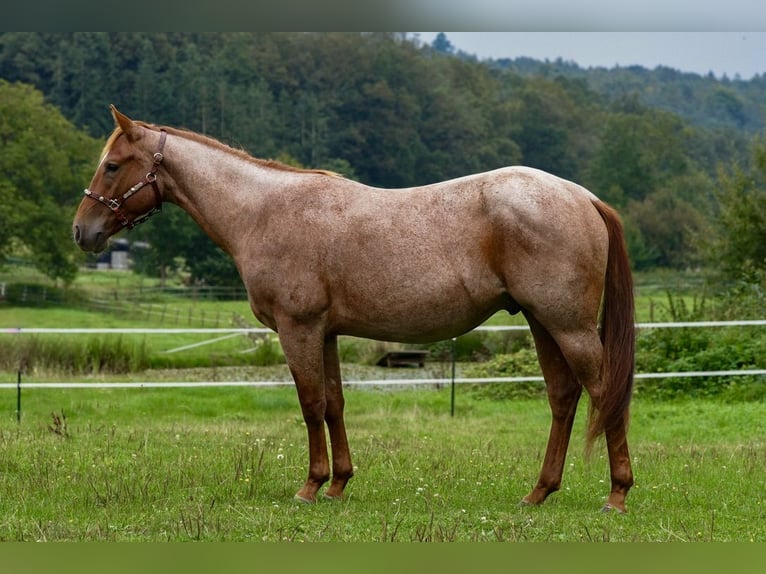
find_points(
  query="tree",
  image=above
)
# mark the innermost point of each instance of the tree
(442, 44)
(167, 235)
(640, 150)
(662, 229)
(736, 245)
(44, 164)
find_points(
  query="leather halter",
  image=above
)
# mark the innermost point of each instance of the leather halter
(149, 179)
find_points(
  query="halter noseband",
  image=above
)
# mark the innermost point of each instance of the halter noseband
(149, 179)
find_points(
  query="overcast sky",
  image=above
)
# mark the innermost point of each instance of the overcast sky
(729, 53)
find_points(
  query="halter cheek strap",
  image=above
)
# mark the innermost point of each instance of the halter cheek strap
(149, 179)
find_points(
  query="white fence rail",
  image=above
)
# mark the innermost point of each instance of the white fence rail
(213, 331)
(361, 383)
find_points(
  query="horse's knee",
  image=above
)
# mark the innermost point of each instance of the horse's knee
(334, 409)
(314, 411)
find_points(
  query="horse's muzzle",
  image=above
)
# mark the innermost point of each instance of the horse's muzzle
(89, 240)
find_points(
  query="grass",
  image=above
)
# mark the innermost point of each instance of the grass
(207, 464)
(223, 464)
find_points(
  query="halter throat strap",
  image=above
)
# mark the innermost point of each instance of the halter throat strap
(149, 179)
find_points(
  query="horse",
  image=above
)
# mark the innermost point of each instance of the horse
(323, 256)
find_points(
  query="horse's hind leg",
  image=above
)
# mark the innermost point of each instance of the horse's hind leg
(342, 469)
(619, 466)
(584, 354)
(563, 395)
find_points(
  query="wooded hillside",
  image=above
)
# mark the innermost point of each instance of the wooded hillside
(389, 111)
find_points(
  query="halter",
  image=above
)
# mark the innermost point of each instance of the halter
(149, 179)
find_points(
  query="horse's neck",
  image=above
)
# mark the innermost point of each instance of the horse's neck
(221, 191)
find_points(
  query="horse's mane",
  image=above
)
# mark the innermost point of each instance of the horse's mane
(109, 143)
(206, 140)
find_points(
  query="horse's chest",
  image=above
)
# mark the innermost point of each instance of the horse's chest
(283, 289)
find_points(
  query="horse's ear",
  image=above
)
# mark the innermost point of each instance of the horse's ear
(128, 126)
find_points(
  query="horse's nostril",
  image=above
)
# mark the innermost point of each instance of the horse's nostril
(77, 234)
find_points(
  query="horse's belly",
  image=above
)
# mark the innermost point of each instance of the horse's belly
(418, 320)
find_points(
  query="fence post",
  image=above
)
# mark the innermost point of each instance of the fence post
(18, 397)
(452, 390)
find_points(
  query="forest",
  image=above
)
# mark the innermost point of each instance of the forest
(682, 156)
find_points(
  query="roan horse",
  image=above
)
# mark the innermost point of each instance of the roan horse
(323, 256)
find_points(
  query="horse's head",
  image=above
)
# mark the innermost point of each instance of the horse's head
(124, 190)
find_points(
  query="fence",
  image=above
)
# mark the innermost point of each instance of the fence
(222, 333)
(226, 333)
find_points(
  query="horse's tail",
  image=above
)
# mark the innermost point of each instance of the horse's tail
(617, 333)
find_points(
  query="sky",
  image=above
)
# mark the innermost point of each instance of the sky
(729, 53)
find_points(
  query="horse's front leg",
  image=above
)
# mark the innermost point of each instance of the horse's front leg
(342, 469)
(303, 346)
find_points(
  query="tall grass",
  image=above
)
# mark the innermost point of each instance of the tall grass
(74, 356)
(56, 355)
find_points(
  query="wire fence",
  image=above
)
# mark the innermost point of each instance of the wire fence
(222, 333)
(436, 382)
(245, 330)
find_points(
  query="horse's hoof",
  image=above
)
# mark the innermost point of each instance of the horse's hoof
(609, 508)
(302, 500)
(532, 500)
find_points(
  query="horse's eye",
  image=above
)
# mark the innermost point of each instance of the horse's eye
(111, 167)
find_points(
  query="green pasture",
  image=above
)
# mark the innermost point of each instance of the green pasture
(223, 464)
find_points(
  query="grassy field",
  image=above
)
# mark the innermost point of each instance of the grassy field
(223, 464)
